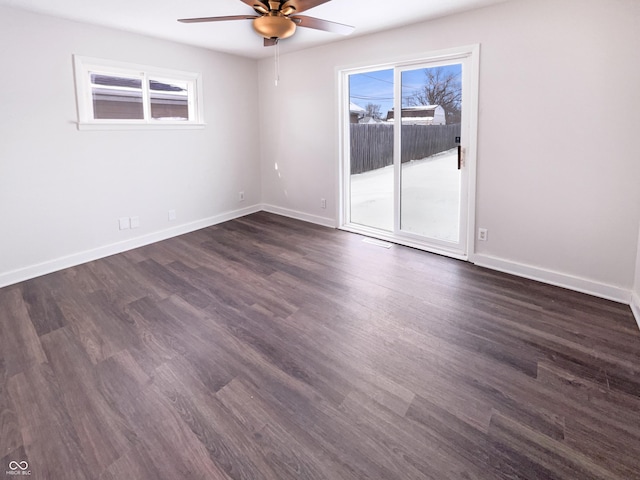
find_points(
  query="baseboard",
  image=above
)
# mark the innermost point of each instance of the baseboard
(32, 271)
(570, 282)
(635, 306)
(306, 217)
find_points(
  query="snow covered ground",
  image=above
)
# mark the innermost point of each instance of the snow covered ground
(430, 197)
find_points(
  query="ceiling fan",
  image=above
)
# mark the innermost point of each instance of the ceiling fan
(278, 19)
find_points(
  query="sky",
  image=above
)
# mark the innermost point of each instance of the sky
(377, 86)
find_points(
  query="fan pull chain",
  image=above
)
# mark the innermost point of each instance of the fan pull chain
(277, 64)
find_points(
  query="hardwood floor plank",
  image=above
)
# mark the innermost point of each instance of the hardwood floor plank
(406, 449)
(116, 272)
(136, 463)
(43, 309)
(10, 435)
(170, 445)
(79, 278)
(52, 446)
(20, 346)
(607, 447)
(552, 455)
(99, 324)
(102, 432)
(458, 438)
(215, 427)
(292, 452)
(608, 409)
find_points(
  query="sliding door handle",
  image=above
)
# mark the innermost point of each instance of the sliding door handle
(461, 153)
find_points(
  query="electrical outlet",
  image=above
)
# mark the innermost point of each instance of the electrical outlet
(124, 223)
(323, 203)
(172, 215)
(483, 234)
(134, 222)
(241, 196)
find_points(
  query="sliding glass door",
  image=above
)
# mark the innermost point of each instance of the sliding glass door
(371, 171)
(430, 186)
(407, 139)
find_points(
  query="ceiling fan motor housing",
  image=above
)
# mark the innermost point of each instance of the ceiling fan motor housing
(274, 26)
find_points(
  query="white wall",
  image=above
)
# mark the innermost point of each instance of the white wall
(557, 176)
(62, 190)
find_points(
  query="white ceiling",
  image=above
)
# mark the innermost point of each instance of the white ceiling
(157, 18)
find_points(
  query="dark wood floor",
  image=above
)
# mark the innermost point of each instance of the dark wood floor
(267, 348)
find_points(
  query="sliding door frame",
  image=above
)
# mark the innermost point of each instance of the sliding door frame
(470, 85)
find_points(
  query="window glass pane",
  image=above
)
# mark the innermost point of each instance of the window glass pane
(431, 182)
(116, 97)
(169, 100)
(371, 156)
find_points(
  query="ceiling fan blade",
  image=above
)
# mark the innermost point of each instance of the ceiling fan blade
(318, 24)
(260, 3)
(217, 19)
(270, 42)
(302, 5)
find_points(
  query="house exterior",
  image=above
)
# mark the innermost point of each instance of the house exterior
(421, 115)
(356, 112)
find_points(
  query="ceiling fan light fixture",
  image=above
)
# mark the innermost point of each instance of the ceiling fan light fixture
(288, 10)
(271, 26)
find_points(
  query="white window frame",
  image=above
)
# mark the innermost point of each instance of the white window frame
(83, 66)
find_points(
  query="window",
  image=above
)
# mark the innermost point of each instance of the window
(118, 95)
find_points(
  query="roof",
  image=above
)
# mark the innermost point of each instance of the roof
(353, 108)
(420, 108)
(421, 111)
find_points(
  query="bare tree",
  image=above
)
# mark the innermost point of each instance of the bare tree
(373, 111)
(442, 87)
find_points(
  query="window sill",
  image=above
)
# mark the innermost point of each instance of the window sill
(140, 126)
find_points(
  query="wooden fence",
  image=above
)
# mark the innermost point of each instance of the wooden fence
(372, 144)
